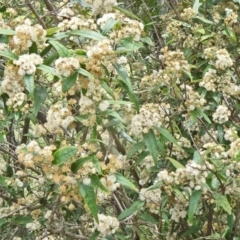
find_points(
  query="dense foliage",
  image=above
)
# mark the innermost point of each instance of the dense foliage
(120, 121)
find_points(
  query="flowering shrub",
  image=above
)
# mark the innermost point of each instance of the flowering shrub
(113, 127)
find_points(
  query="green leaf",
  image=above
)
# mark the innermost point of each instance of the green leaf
(222, 201)
(175, 163)
(79, 163)
(151, 143)
(129, 44)
(148, 218)
(68, 82)
(125, 182)
(8, 54)
(88, 34)
(63, 51)
(127, 13)
(94, 235)
(47, 69)
(2, 181)
(193, 204)
(107, 89)
(29, 82)
(109, 25)
(135, 207)
(168, 136)
(123, 74)
(196, 5)
(97, 183)
(85, 73)
(40, 95)
(63, 154)
(52, 30)
(147, 40)
(204, 20)
(22, 220)
(7, 31)
(97, 164)
(89, 196)
(46, 50)
(49, 59)
(33, 48)
(135, 148)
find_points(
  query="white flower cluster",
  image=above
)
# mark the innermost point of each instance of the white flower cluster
(153, 199)
(180, 153)
(178, 211)
(192, 98)
(193, 176)
(234, 148)
(103, 20)
(102, 49)
(12, 82)
(27, 63)
(151, 115)
(17, 100)
(66, 66)
(72, 22)
(217, 151)
(174, 61)
(219, 58)
(26, 34)
(32, 154)
(100, 6)
(187, 14)
(230, 134)
(107, 224)
(58, 117)
(3, 166)
(223, 61)
(109, 181)
(221, 115)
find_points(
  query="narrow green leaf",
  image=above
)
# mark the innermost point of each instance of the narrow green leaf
(127, 13)
(193, 204)
(109, 25)
(196, 5)
(68, 82)
(222, 201)
(79, 163)
(125, 182)
(130, 45)
(8, 54)
(2, 181)
(97, 164)
(175, 163)
(168, 136)
(136, 147)
(148, 218)
(97, 183)
(151, 143)
(33, 48)
(85, 73)
(64, 154)
(52, 30)
(88, 34)
(7, 31)
(89, 196)
(107, 89)
(147, 40)
(123, 74)
(47, 69)
(204, 20)
(62, 50)
(22, 220)
(94, 235)
(40, 95)
(29, 82)
(49, 59)
(135, 207)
